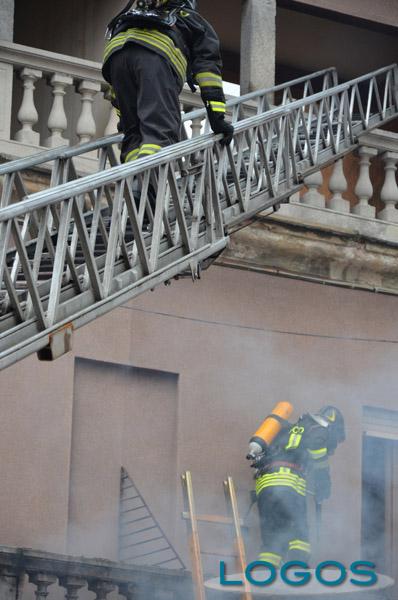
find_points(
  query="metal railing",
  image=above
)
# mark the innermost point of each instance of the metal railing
(89, 236)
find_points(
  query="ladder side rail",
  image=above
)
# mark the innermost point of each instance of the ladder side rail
(168, 259)
(194, 541)
(232, 504)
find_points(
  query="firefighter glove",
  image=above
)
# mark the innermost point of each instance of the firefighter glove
(220, 125)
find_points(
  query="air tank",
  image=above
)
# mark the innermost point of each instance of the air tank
(269, 429)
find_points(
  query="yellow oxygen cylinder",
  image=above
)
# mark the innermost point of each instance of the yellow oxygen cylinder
(269, 429)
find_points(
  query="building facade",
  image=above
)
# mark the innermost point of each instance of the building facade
(300, 307)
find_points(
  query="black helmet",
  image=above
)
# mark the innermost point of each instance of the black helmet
(332, 418)
(150, 4)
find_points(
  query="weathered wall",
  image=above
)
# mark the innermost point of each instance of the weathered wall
(6, 20)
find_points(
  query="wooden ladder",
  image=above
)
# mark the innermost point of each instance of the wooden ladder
(193, 520)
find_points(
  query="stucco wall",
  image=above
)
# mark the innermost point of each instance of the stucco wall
(239, 342)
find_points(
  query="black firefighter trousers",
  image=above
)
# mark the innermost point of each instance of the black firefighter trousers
(147, 93)
(284, 526)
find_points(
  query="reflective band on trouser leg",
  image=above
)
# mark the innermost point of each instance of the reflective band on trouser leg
(217, 106)
(300, 545)
(148, 149)
(270, 557)
(133, 155)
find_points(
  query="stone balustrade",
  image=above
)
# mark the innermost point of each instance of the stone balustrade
(50, 99)
(28, 573)
(363, 184)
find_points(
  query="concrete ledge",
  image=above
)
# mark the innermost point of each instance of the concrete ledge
(337, 222)
(289, 249)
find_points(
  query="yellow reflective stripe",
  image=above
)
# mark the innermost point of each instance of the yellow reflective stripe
(318, 453)
(271, 557)
(156, 146)
(132, 155)
(206, 75)
(149, 149)
(299, 545)
(118, 112)
(282, 482)
(169, 52)
(142, 152)
(154, 38)
(217, 106)
(294, 441)
(283, 478)
(166, 40)
(163, 43)
(207, 79)
(209, 83)
(286, 484)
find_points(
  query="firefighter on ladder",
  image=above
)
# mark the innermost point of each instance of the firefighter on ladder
(152, 46)
(285, 457)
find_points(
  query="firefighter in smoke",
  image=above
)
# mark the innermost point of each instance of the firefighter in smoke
(152, 47)
(285, 456)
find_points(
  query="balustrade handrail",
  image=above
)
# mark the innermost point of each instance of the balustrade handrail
(50, 62)
(65, 152)
(76, 573)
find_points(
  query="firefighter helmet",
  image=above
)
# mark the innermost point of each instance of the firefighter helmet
(332, 418)
(150, 4)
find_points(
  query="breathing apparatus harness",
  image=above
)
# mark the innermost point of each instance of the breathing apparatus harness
(152, 14)
(146, 13)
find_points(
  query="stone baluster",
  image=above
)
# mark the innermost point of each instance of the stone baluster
(27, 114)
(42, 581)
(57, 121)
(389, 192)
(113, 121)
(364, 187)
(101, 589)
(312, 196)
(86, 128)
(338, 185)
(6, 81)
(72, 586)
(196, 126)
(128, 590)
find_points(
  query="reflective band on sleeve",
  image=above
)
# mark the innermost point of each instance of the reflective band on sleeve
(316, 454)
(208, 80)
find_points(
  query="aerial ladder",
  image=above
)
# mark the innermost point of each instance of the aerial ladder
(82, 246)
